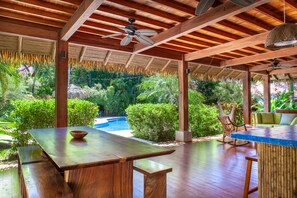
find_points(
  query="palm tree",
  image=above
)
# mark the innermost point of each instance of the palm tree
(7, 73)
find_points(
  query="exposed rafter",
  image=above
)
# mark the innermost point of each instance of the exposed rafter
(215, 15)
(284, 71)
(84, 11)
(107, 57)
(129, 60)
(82, 53)
(166, 65)
(20, 43)
(267, 66)
(149, 63)
(260, 57)
(227, 47)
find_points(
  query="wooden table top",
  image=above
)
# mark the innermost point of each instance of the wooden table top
(97, 148)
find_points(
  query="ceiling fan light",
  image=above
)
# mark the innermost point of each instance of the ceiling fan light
(282, 36)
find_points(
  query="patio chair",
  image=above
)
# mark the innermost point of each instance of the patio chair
(229, 127)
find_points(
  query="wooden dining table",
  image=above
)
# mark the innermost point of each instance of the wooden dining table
(99, 165)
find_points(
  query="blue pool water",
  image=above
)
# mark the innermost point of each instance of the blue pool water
(114, 124)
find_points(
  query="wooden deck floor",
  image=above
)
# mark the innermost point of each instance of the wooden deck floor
(203, 169)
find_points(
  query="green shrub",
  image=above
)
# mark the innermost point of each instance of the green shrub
(154, 122)
(158, 122)
(203, 120)
(30, 114)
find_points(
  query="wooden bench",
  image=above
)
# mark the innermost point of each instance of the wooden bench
(154, 177)
(38, 176)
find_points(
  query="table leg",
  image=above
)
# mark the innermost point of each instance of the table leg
(112, 180)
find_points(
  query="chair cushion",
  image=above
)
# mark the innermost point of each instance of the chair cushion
(294, 121)
(277, 118)
(267, 118)
(287, 118)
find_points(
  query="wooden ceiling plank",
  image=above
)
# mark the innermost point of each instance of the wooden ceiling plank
(28, 29)
(82, 53)
(215, 15)
(53, 52)
(166, 65)
(84, 11)
(178, 6)
(227, 47)
(20, 43)
(284, 71)
(266, 66)
(129, 60)
(220, 72)
(149, 63)
(107, 57)
(197, 68)
(260, 57)
(143, 8)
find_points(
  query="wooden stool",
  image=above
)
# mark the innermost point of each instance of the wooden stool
(247, 190)
(154, 177)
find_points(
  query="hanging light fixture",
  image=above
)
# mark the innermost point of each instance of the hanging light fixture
(282, 36)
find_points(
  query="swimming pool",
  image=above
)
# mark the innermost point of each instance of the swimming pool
(112, 124)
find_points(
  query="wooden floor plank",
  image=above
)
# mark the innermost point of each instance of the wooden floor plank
(203, 169)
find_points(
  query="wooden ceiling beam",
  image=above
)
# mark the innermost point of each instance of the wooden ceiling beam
(107, 57)
(274, 13)
(143, 8)
(275, 76)
(47, 5)
(28, 29)
(266, 66)
(166, 65)
(129, 60)
(82, 53)
(20, 44)
(215, 15)
(113, 44)
(123, 13)
(260, 57)
(84, 11)
(149, 63)
(284, 71)
(228, 47)
(237, 27)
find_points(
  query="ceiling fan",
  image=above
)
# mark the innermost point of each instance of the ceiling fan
(204, 5)
(132, 32)
(276, 64)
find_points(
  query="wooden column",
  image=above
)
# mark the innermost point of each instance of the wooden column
(61, 83)
(266, 86)
(247, 97)
(183, 134)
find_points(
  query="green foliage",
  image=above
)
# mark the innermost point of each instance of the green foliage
(41, 113)
(281, 100)
(157, 89)
(203, 120)
(205, 87)
(229, 91)
(7, 74)
(154, 122)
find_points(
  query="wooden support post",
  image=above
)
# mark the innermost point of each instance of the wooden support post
(246, 79)
(183, 134)
(266, 82)
(61, 83)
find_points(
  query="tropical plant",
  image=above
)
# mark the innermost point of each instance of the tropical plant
(205, 87)
(7, 73)
(157, 89)
(229, 91)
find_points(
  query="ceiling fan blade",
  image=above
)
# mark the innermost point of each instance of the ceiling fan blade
(146, 32)
(126, 30)
(144, 40)
(243, 3)
(203, 6)
(126, 40)
(112, 35)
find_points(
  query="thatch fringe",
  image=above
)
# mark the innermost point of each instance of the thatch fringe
(14, 58)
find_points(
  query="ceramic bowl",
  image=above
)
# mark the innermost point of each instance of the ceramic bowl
(77, 134)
